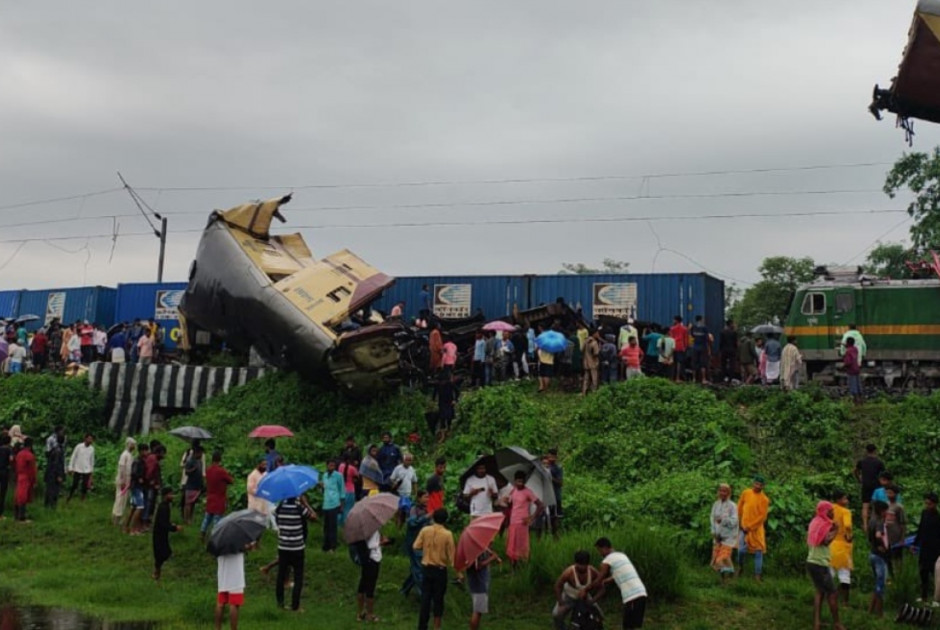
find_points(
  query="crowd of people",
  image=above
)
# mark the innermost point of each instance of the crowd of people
(738, 528)
(144, 504)
(59, 345)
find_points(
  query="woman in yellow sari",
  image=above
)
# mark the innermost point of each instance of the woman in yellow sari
(753, 507)
(841, 547)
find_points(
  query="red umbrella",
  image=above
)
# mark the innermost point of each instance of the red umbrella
(270, 431)
(477, 536)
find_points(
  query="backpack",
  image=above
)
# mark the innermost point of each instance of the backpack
(585, 616)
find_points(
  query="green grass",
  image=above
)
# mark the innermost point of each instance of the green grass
(73, 558)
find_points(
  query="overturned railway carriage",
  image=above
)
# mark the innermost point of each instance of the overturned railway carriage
(915, 91)
(900, 320)
(257, 290)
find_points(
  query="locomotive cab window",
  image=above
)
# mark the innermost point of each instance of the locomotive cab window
(814, 304)
(845, 303)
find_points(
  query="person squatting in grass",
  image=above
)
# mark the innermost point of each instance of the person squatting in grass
(569, 585)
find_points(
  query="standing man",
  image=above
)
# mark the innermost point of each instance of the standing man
(480, 490)
(790, 362)
(334, 493)
(632, 357)
(680, 337)
(753, 506)
(40, 349)
(449, 356)
(728, 351)
(859, 342)
(145, 348)
(217, 482)
(6, 467)
(724, 523)
(291, 546)
(435, 348)
(558, 480)
(747, 359)
(122, 480)
(772, 353)
(255, 502)
(592, 362)
(853, 370)
(435, 486)
(841, 547)
(701, 350)
(192, 490)
(86, 333)
(478, 376)
(402, 482)
(616, 567)
(55, 466)
(138, 490)
(651, 337)
(436, 543)
(424, 303)
(928, 541)
(867, 471)
(389, 456)
(82, 466)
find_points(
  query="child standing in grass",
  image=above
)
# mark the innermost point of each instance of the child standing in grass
(161, 531)
(231, 586)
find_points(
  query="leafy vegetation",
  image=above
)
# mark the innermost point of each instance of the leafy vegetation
(641, 460)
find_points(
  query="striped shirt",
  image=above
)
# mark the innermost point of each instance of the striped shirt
(625, 576)
(291, 531)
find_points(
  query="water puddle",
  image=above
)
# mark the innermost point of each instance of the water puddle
(38, 618)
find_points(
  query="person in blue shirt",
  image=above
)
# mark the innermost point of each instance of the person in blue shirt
(389, 456)
(651, 337)
(479, 358)
(700, 349)
(271, 456)
(424, 303)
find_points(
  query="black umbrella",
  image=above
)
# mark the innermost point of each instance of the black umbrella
(191, 433)
(492, 469)
(25, 319)
(237, 530)
(767, 329)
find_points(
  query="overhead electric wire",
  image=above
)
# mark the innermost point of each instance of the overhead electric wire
(520, 180)
(39, 202)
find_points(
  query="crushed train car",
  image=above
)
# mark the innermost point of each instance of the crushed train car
(255, 289)
(915, 91)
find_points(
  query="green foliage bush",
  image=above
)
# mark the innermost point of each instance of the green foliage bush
(38, 402)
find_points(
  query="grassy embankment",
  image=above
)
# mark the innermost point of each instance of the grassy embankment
(640, 453)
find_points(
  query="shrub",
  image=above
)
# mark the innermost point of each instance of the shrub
(38, 402)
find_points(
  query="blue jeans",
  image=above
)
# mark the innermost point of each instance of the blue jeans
(879, 567)
(487, 373)
(742, 552)
(209, 521)
(415, 576)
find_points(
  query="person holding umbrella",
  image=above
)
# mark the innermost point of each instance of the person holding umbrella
(291, 545)
(232, 537)
(474, 555)
(478, 583)
(362, 533)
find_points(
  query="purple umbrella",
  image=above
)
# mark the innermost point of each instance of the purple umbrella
(499, 326)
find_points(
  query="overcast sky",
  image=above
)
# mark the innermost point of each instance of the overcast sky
(257, 102)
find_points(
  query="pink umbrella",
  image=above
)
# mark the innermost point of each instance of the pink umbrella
(499, 326)
(476, 537)
(270, 431)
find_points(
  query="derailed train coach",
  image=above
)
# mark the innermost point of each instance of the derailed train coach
(257, 290)
(915, 90)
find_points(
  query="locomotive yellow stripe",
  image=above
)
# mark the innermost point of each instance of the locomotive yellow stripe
(897, 329)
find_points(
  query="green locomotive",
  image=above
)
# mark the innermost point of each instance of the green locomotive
(900, 320)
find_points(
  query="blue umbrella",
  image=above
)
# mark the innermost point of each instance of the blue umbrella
(287, 482)
(551, 341)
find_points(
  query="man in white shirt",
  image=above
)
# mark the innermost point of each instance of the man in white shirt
(82, 466)
(617, 568)
(480, 490)
(403, 480)
(17, 354)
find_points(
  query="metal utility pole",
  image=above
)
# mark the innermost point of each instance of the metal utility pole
(160, 234)
(162, 249)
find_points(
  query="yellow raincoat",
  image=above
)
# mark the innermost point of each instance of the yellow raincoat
(752, 514)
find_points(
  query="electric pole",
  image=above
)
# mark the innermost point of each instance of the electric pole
(162, 249)
(160, 234)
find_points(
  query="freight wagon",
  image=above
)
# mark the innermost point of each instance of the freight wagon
(646, 297)
(155, 301)
(95, 304)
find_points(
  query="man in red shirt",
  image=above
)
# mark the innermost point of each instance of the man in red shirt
(39, 349)
(679, 334)
(217, 482)
(632, 357)
(86, 331)
(435, 485)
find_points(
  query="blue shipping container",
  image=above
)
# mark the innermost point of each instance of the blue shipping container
(459, 296)
(155, 301)
(647, 297)
(9, 303)
(96, 304)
